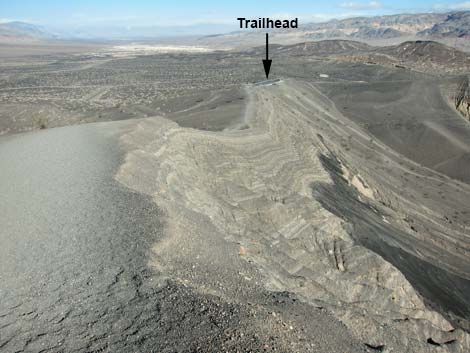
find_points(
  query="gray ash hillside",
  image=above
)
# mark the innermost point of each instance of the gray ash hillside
(427, 52)
(425, 56)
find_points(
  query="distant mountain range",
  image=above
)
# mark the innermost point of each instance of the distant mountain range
(139, 33)
(383, 27)
(456, 24)
(453, 25)
(450, 28)
(21, 31)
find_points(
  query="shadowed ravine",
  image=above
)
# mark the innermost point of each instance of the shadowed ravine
(441, 289)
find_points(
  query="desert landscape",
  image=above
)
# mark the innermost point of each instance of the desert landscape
(167, 197)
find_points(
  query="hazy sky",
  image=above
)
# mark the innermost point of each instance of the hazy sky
(186, 12)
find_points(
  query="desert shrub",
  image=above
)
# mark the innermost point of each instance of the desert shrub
(40, 122)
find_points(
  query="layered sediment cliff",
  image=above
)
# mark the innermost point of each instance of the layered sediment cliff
(318, 209)
(462, 97)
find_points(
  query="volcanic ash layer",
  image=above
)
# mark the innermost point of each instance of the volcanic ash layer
(254, 190)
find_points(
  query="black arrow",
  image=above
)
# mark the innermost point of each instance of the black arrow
(267, 63)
